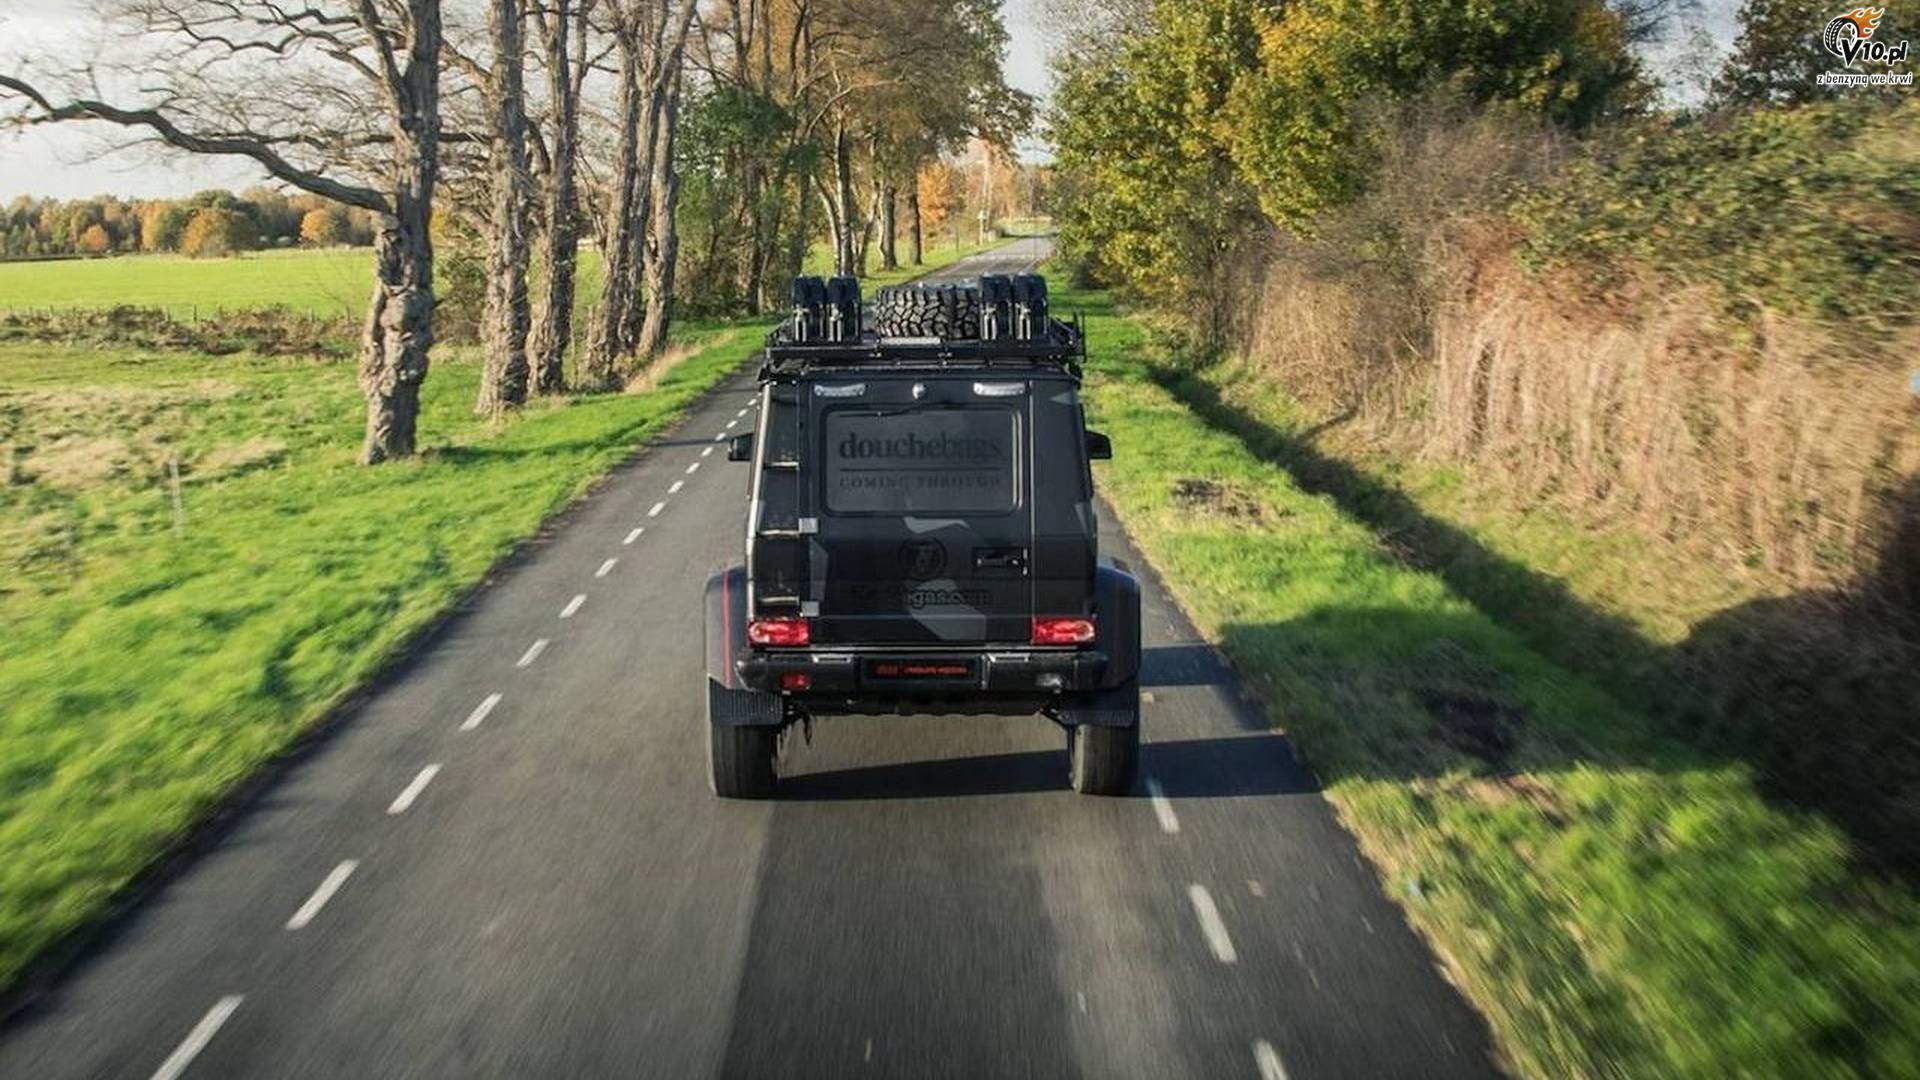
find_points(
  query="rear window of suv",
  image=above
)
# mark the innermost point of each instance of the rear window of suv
(934, 460)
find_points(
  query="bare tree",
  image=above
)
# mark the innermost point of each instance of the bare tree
(263, 81)
(647, 33)
(662, 249)
(563, 27)
(503, 380)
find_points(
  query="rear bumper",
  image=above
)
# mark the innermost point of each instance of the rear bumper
(1011, 681)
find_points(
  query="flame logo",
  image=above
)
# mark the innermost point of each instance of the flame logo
(1865, 20)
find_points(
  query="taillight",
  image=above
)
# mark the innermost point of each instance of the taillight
(796, 680)
(1070, 630)
(779, 633)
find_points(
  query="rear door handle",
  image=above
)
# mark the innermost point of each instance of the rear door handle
(1010, 558)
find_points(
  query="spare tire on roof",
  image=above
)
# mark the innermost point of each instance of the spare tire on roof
(926, 311)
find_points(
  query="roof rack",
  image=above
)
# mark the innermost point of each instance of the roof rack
(1064, 346)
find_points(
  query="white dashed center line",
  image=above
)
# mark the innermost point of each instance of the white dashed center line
(322, 894)
(1210, 924)
(634, 535)
(1268, 1059)
(1162, 809)
(695, 467)
(742, 412)
(197, 1039)
(606, 568)
(657, 507)
(732, 422)
(405, 799)
(722, 437)
(677, 485)
(573, 606)
(708, 452)
(533, 653)
(480, 712)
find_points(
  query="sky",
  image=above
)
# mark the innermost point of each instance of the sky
(75, 160)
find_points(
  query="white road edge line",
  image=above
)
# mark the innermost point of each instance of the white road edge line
(674, 489)
(412, 791)
(322, 894)
(533, 653)
(657, 507)
(695, 467)
(197, 1039)
(634, 535)
(606, 568)
(480, 712)
(1162, 809)
(1268, 1059)
(1210, 924)
(573, 606)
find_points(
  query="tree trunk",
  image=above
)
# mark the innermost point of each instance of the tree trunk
(600, 371)
(503, 380)
(554, 326)
(663, 239)
(889, 207)
(915, 241)
(845, 209)
(399, 327)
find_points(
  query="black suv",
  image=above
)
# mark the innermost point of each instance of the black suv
(921, 534)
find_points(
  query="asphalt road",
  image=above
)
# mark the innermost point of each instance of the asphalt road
(506, 863)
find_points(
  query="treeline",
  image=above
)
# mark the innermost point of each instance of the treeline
(1452, 235)
(210, 224)
(701, 147)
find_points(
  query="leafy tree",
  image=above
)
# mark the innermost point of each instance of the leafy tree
(1214, 114)
(95, 241)
(161, 225)
(322, 227)
(214, 233)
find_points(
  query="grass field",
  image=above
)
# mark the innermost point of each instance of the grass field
(1615, 902)
(154, 657)
(332, 282)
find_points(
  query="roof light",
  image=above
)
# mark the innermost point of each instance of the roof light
(780, 633)
(842, 391)
(1063, 630)
(999, 389)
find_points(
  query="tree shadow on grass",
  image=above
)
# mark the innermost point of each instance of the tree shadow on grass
(1819, 692)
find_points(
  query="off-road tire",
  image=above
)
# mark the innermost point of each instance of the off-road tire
(1104, 760)
(948, 312)
(740, 760)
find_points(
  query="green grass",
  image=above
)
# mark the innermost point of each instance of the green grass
(330, 282)
(1616, 901)
(333, 282)
(149, 669)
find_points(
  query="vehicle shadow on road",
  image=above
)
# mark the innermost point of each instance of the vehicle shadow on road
(1243, 766)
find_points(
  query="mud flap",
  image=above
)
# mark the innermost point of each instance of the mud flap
(1116, 606)
(728, 703)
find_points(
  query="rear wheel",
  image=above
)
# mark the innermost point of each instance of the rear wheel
(740, 760)
(1104, 760)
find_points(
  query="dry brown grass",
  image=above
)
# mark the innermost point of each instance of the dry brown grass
(1764, 442)
(1780, 448)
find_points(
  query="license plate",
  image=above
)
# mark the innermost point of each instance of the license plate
(921, 670)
